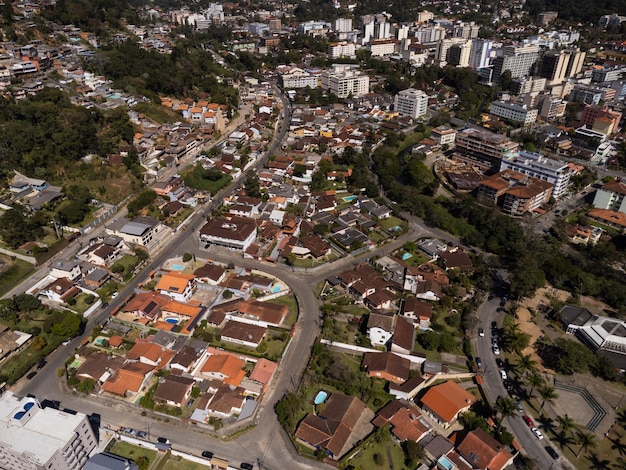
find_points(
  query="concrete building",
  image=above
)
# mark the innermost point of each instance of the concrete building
(443, 48)
(607, 74)
(514, 112)
(546, 17)
(295, 77)
(601, 119)
(484, 148)
(459, 54)
(342, 49)
(411, 102)
(514, 192)
(611, 196)
(524, 85)
(345, 80)
(465, 30)
(556, 66)
(519, 60)
(443, 135)
(541, 167)
(480, 55)
(429, 34)
(343, 25)
(36, 438)
(590, 94)
(552, 107)
(383, 47)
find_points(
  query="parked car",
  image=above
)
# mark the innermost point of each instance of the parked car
(496, 350)
(479, 362)
(494, 325)
(31, 374)
(115, 294)
(163, 440)
(552, 453)
(207, 455)
(503, 374)
(538, 434)
(499, 362)
(246, 466)
(104, 305)
(519, 406)
(129, 431)
(529, 421)
(142, 434)
(481, 332)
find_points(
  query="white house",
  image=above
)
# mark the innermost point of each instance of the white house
(380, 328)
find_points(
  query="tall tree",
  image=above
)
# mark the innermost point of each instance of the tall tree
(585, 440)
(548, 395)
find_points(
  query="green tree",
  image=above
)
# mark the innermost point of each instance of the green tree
(413, 453)
(548, 395)
(585, 440)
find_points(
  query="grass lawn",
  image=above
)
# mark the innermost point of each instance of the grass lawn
(364, 460)
(129, 262)
(182, 464)
(124, 449)
(290, 302)
(16, 272)
(193, 178)
(393, 222)
(157, 113)
(81, 305)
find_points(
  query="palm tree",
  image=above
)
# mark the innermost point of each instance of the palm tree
(534, 380)
(505, 406)
(548, 394)
(618, 445)
(585, 440)
(566, 423)
(620, 463)
(526, 364)
(514, 338)
(599, 463)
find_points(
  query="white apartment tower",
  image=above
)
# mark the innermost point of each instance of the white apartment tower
(411, 102)
(343, 25)
(480, 55)
(344, 80)
(36, 438)
(459, 54)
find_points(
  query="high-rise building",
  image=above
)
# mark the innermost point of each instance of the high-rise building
(556, 66)
(483, 148)
(411, 102)
(459, 54)
(466, 30)
(512, 111)
(429, 34)
(552, 107)
(275, 24)
(443, 47)
(524, 85)
(343, 25)
(425, 16)
(480, 55)
(539, 166)
(519, 60)
(344, 80)
(36, 438)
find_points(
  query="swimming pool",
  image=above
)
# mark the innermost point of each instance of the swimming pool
(320, 397)
(177, 267)
(276, 288)
(406, 256)
(172, 320)
(349, 198)
(99, 341)
(114, 96)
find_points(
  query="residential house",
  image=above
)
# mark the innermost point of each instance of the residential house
(99, 366)
(263, 372)
(60, 290)
(481, 450)
(130, 379)
(446, 401)
(611, 196)
(425, 281)
(403, 338)
(146, 305)
(173, 390)
(344, 422)
(419, 311)
(407, 390)
(380, 328)
(315, 247)
(405, 419)
(144, 232)
(211, 274)
(386, 365)
(235, 233)
(151, 354)
(242, 333)
(224, 367)
(611, 218)
(177, 285)
(432, 247)
(96, 278)
(65, 268)
(456, 259)
(186, 359)
(222, 400)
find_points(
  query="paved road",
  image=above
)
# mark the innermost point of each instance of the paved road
(493, 387)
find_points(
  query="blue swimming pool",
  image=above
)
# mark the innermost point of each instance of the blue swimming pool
(114, 96)
(172, 320)
(320, 397)
(349, 198)
(276, 288)
(177, 267)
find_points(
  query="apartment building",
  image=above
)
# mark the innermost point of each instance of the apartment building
(512, 111)
(611, 196)
(483, 148)
(524, 85)
(514, 192)
(459, 54)
(480, 54)
(295, 77)
(342, 49)
(556, 66)
(411, 102)
(601, 119)
(383, 47)
(552, 107)
(345, 80)
(541, 167)
(36, 438)
(607, 74)
(519, 60)
(590, 94)
(443, 135)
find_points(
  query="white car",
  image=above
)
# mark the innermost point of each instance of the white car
(496, 350)
(538, 434)
(115, 294)
(503, 374)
